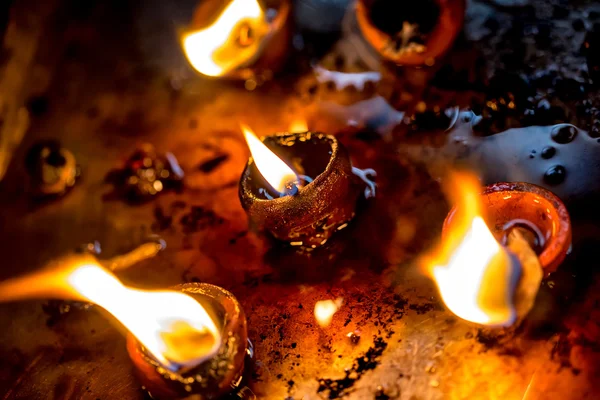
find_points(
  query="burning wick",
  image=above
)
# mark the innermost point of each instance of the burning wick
(277, 173)
(305, 205)
(326, 309)
(480, 280)
(177, 331)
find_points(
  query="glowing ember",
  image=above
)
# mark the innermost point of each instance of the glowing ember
(298, 126)
(476, 277)
(172, 326)
(277, 173)
(233, 40)
(325, 310)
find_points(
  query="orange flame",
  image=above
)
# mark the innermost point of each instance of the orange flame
(276, 172)
(474, 273)
(231, 41)
(298, 126)
(326, 309)
(171, 325)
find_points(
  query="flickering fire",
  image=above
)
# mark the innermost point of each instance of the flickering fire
(326, 309)
(233, 40)
(172, 326)
(276, 172)
(475, 275)
(298, 126)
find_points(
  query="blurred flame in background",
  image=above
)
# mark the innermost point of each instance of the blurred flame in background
(298, 126)
(233, 40)
(326, 309)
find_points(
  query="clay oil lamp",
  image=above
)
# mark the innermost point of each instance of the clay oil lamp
(301, 187)
(186, 342)
(238, 39)
(410, 33)
(497, 245)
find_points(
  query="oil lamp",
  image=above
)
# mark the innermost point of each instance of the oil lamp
(190, 340)
(496, 247)
(219, 363)
(410, 33)
(238, 39)
(309, 196)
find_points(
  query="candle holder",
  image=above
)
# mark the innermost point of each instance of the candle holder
(538, 214)
(414, 43)
(255, 46)
(308, 215)
(52, 169)
(213, 377)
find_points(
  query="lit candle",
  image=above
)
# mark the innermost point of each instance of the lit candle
(237, 38)
(189, 340)
(492, 277)
(301, 187)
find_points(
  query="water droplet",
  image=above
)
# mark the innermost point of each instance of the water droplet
(548, 152)
(563, 133)
(555, 175)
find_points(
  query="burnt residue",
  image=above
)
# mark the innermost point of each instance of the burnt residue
(145, 174)
(199, 218)
(424, 307)
(212, 164)
(162, 221)
(337, 388)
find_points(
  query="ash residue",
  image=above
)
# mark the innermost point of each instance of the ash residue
(213, 163)
(199, 218)
(423, 308)
(336, 388)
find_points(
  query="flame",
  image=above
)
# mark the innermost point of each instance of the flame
(232, 40)
(474, 273)
(277, 173)
(325, 310)
(298, 126)
(171, 325)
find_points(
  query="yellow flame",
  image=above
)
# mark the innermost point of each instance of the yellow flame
(172, 326)
(277, 173)
(298, 126)
(326, 309)
(232, 40)
(474, 273)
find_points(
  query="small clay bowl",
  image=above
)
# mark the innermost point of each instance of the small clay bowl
(509, 205)
(309, 217)
(212, 378)
(439, 40)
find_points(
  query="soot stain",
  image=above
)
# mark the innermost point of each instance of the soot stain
(199, 218)
(337, 388)
(212, 164)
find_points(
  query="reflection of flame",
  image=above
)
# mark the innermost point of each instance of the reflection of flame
(325, 309)
(474, 274)
(233, 39)
(172, 326)
(298, 126)
(271, 167)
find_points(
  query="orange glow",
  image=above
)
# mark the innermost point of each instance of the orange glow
(298, 126)
(171, 325)
(325, 310)
(473, 272)
(233, 40)
(277, 173)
